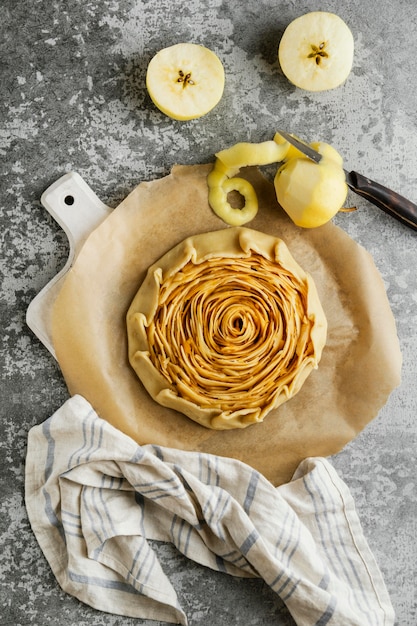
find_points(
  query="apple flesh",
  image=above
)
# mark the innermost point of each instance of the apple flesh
(312, 193)
(185, 81)
(316, 51)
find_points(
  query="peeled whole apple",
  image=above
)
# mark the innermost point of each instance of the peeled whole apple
(311, 193)
(185, 81)
(316, 51)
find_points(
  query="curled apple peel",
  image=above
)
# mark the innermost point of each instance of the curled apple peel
(245, 154)
(219, 188)
(222, 179)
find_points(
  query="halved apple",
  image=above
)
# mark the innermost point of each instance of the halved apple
(316, 51)
(185, 81)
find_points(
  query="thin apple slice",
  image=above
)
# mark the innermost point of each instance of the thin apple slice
(316, 51)
(185, 81)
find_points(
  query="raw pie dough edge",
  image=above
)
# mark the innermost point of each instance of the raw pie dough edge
(235, 242)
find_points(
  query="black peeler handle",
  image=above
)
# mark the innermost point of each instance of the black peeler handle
(389, 201)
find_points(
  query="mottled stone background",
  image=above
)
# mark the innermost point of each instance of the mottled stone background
(73, 98)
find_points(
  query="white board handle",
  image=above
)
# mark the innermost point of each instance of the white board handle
(77, 209)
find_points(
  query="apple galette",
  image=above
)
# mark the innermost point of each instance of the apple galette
(226, 327)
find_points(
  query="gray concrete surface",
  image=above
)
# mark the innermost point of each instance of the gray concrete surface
(73, 98)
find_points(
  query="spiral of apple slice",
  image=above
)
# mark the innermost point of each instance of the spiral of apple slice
(222, 180)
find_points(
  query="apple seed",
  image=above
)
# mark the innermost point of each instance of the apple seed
(184, 78)
(318, 52)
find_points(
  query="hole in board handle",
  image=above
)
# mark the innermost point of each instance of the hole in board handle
(69, 200)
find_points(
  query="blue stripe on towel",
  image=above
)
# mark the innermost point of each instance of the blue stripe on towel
(101, 582)
(328, 614)
(156, 489)
(50, 457)
(335, 545)
(50, 453)
(250, 492)
(249, 542)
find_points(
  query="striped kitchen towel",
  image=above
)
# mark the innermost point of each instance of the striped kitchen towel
(96, 500)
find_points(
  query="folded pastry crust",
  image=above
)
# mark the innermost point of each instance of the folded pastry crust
(226, 327)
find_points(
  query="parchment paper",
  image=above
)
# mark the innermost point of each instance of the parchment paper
(361, 361)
